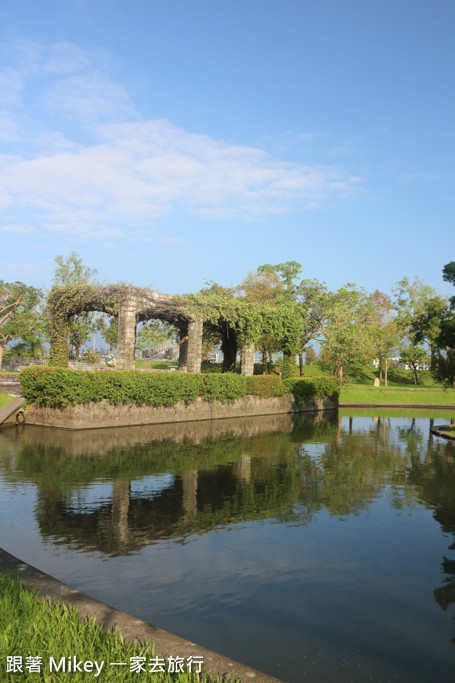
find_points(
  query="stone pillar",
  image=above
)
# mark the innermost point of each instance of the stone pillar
(190, 346)
(189, 502)
(243, 468)
(126, 336)
(247, 366)
(120, 505)
(59, 342)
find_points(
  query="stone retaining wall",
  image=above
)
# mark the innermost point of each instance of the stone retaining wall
(103, 414)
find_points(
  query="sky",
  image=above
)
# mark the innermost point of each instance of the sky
(174, 142)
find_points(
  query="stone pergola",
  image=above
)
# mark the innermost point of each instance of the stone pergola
(133, 305)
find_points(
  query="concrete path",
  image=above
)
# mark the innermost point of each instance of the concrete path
(132, 629)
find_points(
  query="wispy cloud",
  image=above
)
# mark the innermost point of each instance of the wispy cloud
(91, 167)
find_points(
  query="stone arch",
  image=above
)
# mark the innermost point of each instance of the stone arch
(131, 305)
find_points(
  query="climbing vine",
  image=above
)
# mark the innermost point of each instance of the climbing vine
(65, 302)
(249, 319)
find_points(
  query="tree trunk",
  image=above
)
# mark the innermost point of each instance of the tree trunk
(1, 356)
(264, 363)
(416, 379)
(380, 373)
(339, 372)
(302, 370)
(229, 349)
(78, 353)
(386, 368)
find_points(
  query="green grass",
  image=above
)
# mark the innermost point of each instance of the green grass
(362, 378)
(34, 627)
(5, 399)
(9, 372)
(446, 413)
(390, 396)
(155, 365)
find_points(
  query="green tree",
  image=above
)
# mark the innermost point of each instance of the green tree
(314, 301)
(109, 332)
(20, 318)
(264, 286)
(312, 298)
(419, 309)
(216, 331)
(414, 356)
(349, 331)
(385, 333)
(72, 271)
(310, 356)
(443, 360)
(154, 332)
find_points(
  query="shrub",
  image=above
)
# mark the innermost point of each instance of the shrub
(55, 387)
(58, 387)
(226, 387)
(314, 388)
(265, 385)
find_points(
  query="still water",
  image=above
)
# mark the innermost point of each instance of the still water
(315, 548)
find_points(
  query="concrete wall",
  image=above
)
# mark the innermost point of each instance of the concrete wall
(102, 414)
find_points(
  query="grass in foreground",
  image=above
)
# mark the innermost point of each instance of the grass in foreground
(33, 627)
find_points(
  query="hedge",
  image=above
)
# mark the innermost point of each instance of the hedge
(307, 389)
(57, 387)
(265, 385)
(226, 387)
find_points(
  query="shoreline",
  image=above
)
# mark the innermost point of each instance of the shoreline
(131, 628)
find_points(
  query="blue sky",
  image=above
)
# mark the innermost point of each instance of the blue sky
(170, 142)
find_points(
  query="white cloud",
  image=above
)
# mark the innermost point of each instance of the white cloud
(18, 229)
(93, 170)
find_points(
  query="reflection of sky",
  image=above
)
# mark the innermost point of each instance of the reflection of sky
(152, 485)
(351, 595)
(90, 497)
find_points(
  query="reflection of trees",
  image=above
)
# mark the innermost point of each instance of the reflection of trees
(289, 476)
(435, 479)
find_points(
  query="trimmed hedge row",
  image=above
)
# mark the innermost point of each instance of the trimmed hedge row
(57, 387)
(317, 387)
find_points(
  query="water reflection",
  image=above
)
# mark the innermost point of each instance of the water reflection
(121, 492)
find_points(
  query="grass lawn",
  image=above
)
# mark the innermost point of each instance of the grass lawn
(33, 627)
(5, 399)
(439, 397)
(434, 413)
(155, 365)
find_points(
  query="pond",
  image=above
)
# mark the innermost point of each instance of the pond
(317, 547)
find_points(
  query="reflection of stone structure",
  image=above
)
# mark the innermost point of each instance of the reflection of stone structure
(98, 443)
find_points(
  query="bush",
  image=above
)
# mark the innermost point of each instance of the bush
(264, 385)
(314, 388)
(55, 387)
(226, 387)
